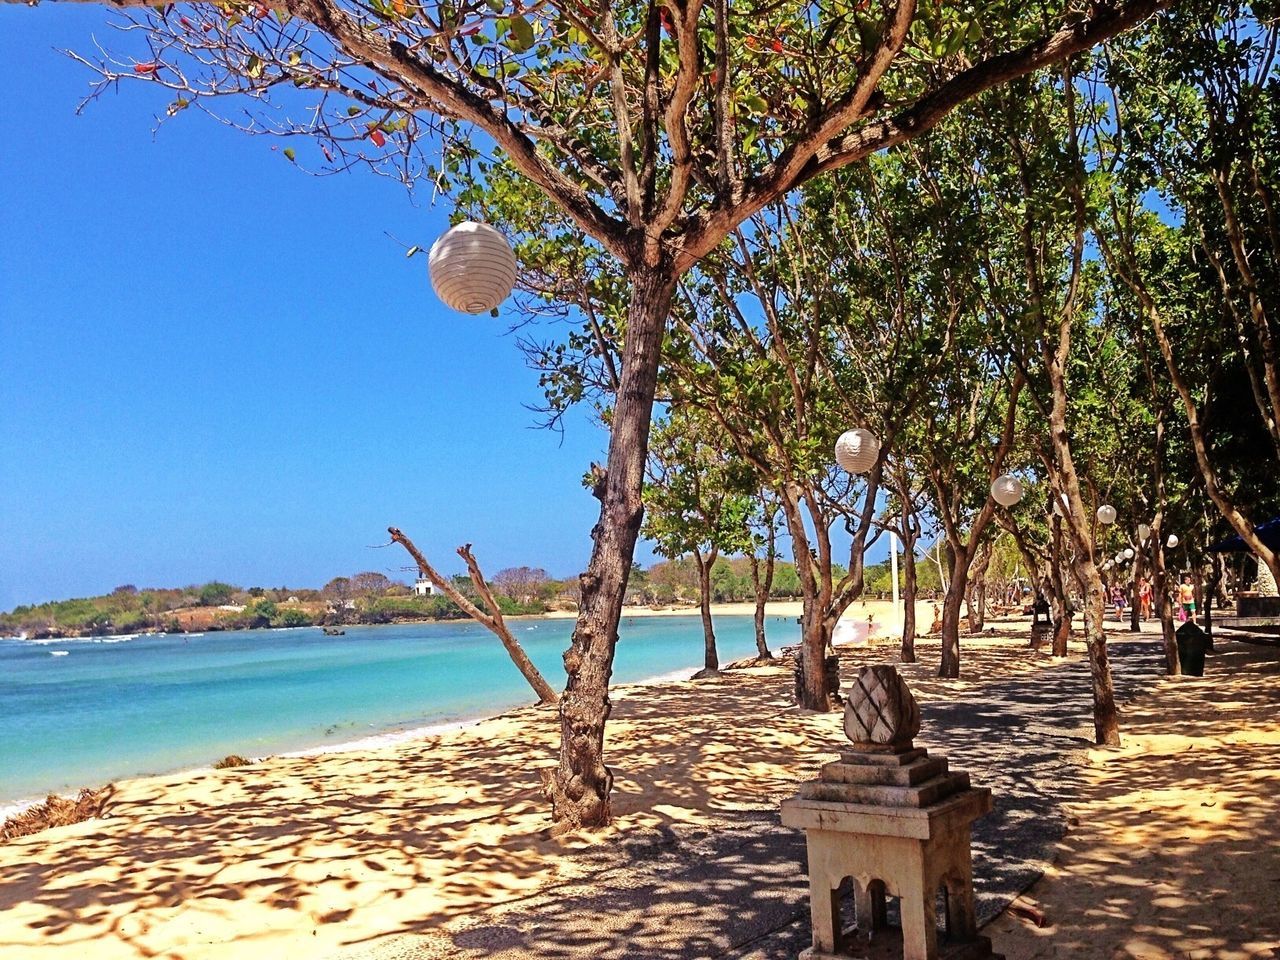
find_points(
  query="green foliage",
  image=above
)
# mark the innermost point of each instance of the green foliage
(215, 594)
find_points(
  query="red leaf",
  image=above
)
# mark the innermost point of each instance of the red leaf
(378, 139)
(207, 27)
(327, 155)
(185, 22)
(777, 46)
(146, 67)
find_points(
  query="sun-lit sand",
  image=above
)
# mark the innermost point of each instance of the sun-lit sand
(1174, 849)
(314, 856)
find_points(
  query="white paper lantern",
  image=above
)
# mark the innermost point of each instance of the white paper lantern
(1106, 514)
(472, 267)
(1143, 532)
(1006, 490)
(857, 450)
(1128, 553)
(1172, 541)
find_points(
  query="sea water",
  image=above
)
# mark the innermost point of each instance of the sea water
(83, 712)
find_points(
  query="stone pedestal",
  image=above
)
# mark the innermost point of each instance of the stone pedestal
(896, 822)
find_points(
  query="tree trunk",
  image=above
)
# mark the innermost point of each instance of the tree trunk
(909, 538)
(1135, 619)
(1106, 722)
(579, 786)
(762, 585)
(815, 636)
(951, 604)
(976, 589)
(1164, 605)
(492, 621)
(710, 659)
(1061, 599)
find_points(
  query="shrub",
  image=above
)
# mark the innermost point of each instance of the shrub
(232, 760)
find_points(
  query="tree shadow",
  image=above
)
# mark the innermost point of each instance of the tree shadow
(444, 841)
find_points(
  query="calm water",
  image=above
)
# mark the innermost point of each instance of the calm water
(82, 712)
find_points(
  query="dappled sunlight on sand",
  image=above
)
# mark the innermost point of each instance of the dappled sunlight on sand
(326, 855)
(1175, 845)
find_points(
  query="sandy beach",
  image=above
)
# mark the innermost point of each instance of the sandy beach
(341, 854)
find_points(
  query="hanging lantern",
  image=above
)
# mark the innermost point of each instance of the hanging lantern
(1107, 514)
(1118, 558)
(1172, 541)
(472, 267)
(1006, 490)
(1128, 553)
(1144, 531)
(857, 450)
(1062, 505)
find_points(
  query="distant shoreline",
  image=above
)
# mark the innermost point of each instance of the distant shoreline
(881, 610)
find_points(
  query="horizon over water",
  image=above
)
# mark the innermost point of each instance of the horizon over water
(83, 712)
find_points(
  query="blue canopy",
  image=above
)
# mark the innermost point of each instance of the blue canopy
(1269, 532)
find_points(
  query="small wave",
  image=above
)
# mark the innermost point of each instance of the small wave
(120, 639)
(191, 635)
(59, 653)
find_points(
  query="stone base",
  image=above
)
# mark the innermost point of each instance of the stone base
(887, 945)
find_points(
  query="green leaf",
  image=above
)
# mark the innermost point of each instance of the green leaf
(353, 111)
(756, 103)
(254, 67)
(520, 38)
(291, 154)
(497, 6)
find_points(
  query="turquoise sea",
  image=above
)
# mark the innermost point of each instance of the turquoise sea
(82, 712)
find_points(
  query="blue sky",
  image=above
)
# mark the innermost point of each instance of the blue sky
(215, 366)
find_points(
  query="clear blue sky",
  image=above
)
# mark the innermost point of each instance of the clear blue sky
(215, 366)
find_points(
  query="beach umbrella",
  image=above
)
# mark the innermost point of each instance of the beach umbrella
(1006, 490)
(1172, 541)
(1107, 514)
(472, 267)
(1144, 531)
(857, 450)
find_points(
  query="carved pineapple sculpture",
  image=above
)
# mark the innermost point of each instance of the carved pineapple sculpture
(881, 714)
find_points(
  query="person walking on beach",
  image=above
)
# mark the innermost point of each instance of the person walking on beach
(1187, 600)
(1144, 599)
(1117, 600)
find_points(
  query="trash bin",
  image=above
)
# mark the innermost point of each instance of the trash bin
(1192, 643)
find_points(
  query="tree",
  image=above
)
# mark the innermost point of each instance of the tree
(370, 584)
(491, 617)
(521, 584)
(652, 129)
(761, 531)
(215, 594)
(338, 589)
(696, 506)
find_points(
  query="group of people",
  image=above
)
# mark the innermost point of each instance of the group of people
(1183, 595)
